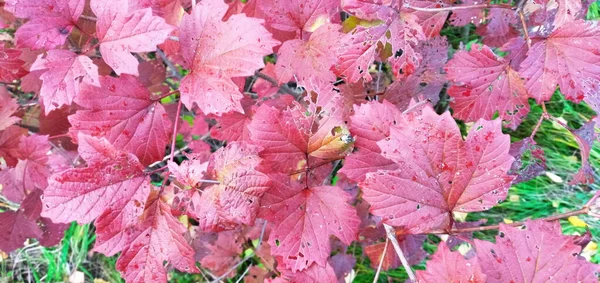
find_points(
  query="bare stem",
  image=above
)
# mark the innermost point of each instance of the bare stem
(174, 137)
(174, 72)
(525, 31)
(387, 241)
(391, 235)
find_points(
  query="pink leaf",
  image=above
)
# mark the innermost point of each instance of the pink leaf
(464, 17)
(121, 33)
(233, 48)
(448, 266)
(9, 144)
(50, 22)
(539, 252)
(11, 67)
(110, 180)
(569, 57)
(219, 251)
(444, 173)
(411, 246)
(122, 111)
(158, 238)
(585, 137)
(303, 217)
(63, 74)
(236, 199)
(314, 58)
(296, 16)
(353, 64)
(483, 84)
(8, 106)
(500, 27)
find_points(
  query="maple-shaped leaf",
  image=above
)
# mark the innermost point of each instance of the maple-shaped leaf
(353, 63)
(31, 171)
(152, 75)
(297, 138)
(236, 199)
(111, 178)
(115, 226)
(448, 266)
(215, 51)
(568, 11)
(500, 27)
(485, 84)
(8, 106)
(463, 17)
(219, 251)
(570, 58)
(535, 253)
(9, 144)
(585, 137)
(191, 171)
(438, 172)
(233, 126)
(158, 239)
(411, 246)
(431, 22)
(370, 123)
(405, 34)
(305, 60)
(50, 21)
(121, 33)
(304, 217)
(297, 16)
(17, 226)
(314, 273)
(368, 9)
(11, 67)
(63, 74)
(122, 111)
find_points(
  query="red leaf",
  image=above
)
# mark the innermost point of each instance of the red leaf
(50, 22)
(405, 34)
(500, 27)
(297, 16)
(121, 33)
(431, 22)
(233, 126)
(111, 179)
(469, 176)
(153, 75)
(215, 57)
(236, 199)
(9, 144)
(585, 137)
(368, 9)
(158, 238)
(122, 111)
(305, 60)
(314, 273)
(190, 171)
(411, 246)
(219, 251)
(483, 84)
(448, 266)
(303, 218)
(11, 67)
(354, 63)
(8, 106)
(63, 74)
(539, 252)
(463, 17)
(569, 57)
(115, 226)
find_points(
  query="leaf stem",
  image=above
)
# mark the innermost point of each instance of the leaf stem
(389, 231)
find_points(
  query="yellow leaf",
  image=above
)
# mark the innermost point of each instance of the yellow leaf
(577, 222)
(508, 221)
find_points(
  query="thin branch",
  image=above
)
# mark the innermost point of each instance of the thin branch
(391, 235)
(416, 106)
(174, 137)
(284, 88)
(174, 72)
(463, 7)
(525, 32)
(387, 241)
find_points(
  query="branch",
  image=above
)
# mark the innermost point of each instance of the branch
(464, 7)
(391, 235)
(284, 88)
(174, 72)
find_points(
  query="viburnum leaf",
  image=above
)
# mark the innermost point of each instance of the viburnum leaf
(191, 171)
(111, 178)
(535, 166)
(303, 219)
(500, 27)
(219, 251)
(462, 17)
(122, 111)
(115, 226)
(233, 126)
(585, 137)
(370, 123)
(216, 51)
(236, 199)
(9, 144)
(411, 246)
(63, 74)
(405, 34)
(431, 22)
(121, 33)
(8, 106)
(297, 16)
(483, 84)
(569, 57)
(50, 21)
(31, 171)
(305, 60)
(428, 186)
(537, 252)
(314, 273)
(448, 266)
(158, 239)
(11, 67)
